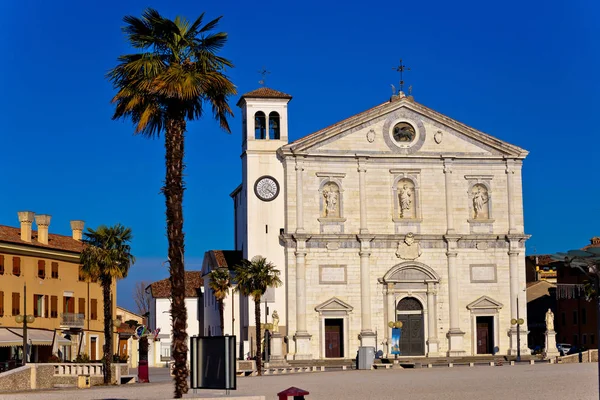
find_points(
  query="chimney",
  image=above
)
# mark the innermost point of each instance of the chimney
(26, 218)
(77, 228)
(42, 221)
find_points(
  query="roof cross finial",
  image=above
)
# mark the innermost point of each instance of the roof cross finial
(264, 74)
(401, 68)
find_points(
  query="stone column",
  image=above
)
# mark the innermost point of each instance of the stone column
(455, 335)
(301, 337)
(391, 315)
(513, 267)
(432, 340)
(510, 176)
(448, 190)
(362, 170)
(299, 201)
(367, 336)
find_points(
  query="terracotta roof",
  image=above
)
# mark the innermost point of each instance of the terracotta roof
(227, 258)
(264, 93)
(538, 289)
(58, 242)
(193, 283)
(594, 242)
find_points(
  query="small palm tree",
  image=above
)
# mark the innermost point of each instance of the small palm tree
(161, 88)
(220, 282)
(253, 279)
(106, 256)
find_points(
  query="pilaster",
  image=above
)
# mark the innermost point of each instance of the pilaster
(448, 190)
(299, 198)
(455, 335)
(362, 170)
(367, 336)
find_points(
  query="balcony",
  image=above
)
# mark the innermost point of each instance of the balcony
(72, 320)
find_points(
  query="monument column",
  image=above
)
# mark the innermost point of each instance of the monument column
(513, 267)
(455, 335)
(432, 340)
(302, 337)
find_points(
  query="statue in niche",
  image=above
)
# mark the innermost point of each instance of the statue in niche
(405, 201)
(549, 320)
(331, 197)
(480, 200)
(275, 317)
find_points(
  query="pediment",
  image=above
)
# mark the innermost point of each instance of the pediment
(484, 302)
(369, 133)
(334, 304)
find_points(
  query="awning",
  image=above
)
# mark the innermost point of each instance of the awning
(7, 338)
(36, 337)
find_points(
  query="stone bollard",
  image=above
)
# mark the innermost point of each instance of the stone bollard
(471, 364)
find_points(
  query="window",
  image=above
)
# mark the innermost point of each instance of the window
(1, 304)
(575, 339)
(41, 269)
(592, 339)
(1, 265)
(260, 129)
(94, 309)
(584, 317)
(274, 130)
(54, 270)
(17, 266)
(54, 307)
(574, 317)
(81, 308)
(46, 307)
(38, 305)
(563, 318)
(584, 339)
(68, 304)
(16, 303)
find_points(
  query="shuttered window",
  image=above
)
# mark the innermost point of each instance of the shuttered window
(54, 270)
(1, 265)
(1, 304)
(94, 309)
(41, 269)
(46, 307)
(81, 306)
(68, 304)
(16, 303)
(54, 306)
(17, 266)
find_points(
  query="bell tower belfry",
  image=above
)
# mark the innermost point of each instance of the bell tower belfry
(259, 201)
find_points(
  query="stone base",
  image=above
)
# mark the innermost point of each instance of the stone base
(302, 346)
(551, 350)
(367, 339)
(512, 334)
(455, 343)
(276, 358)
(433, 348)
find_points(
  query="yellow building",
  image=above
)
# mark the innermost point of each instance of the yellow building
(68, 309)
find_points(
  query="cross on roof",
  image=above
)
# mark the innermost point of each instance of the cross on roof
(264, 74)
(401, 68)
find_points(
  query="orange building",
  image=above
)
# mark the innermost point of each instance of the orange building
(68, 309)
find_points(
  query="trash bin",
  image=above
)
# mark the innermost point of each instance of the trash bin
(366, 357)
(143, 371)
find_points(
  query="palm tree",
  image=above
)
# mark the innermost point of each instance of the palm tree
(106, 256)
(220, 282)
(160, 88)
(253, 279)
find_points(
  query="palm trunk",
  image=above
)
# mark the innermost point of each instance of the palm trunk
(173, 190)
(108, 323)
(221, 320)
(258, 352)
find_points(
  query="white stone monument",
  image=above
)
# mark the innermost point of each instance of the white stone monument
(276, 358)
(551, 350)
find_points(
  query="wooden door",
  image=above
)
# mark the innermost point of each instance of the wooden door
(483, 338)
(93, 348)
(333, 338)
(412, 341)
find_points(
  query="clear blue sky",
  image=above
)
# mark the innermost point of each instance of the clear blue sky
(524, 73)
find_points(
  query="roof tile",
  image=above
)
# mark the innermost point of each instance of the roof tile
(193, 283)
(59, 242)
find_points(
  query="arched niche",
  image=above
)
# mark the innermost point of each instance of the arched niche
(274, 126)
(260, 125)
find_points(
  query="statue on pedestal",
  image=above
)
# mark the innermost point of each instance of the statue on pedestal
(275, 317)
(549, 320)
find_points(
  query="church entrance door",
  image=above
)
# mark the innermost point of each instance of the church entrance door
(412, 341)
(485, 332)
(334, 332)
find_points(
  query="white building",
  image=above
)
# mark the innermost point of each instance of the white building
(159, 352)
(398, 213)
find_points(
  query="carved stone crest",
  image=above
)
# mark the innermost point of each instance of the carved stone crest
(438, 137)
(409, 249)
(371, 136)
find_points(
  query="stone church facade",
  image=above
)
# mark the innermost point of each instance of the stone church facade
(398, 213)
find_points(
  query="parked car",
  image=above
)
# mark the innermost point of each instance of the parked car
(563, 348)
(576, 349)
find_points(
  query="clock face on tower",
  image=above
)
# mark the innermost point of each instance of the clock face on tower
(266, 188)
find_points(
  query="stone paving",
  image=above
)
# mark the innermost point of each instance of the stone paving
(531, 382)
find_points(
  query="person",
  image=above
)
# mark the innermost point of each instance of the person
(479, 200)
(405, 201)
(549, 320)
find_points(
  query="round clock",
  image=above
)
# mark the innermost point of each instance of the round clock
(266, 188)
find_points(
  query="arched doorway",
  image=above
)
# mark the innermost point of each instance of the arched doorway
(410, 312)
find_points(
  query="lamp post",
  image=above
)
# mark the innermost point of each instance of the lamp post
(24, 319)
(518, 322)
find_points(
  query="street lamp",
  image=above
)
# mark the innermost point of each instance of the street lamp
(24, 319)
(518, 322)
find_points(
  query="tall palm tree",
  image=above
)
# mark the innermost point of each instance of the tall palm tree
(106, 256)
(167, 83)
(253, 279)
(220, 282)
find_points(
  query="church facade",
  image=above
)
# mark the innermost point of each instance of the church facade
(396, 214)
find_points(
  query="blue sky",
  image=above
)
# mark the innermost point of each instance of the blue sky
(523, 72)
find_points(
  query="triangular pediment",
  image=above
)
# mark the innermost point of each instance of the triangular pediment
(370, 133)
(334, 304)
(484, 302)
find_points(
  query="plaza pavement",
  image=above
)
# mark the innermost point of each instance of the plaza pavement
(531, 382)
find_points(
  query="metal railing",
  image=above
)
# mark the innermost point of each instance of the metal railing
(72, 320)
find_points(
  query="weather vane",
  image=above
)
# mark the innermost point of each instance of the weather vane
(401, 68)
(264, 74)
